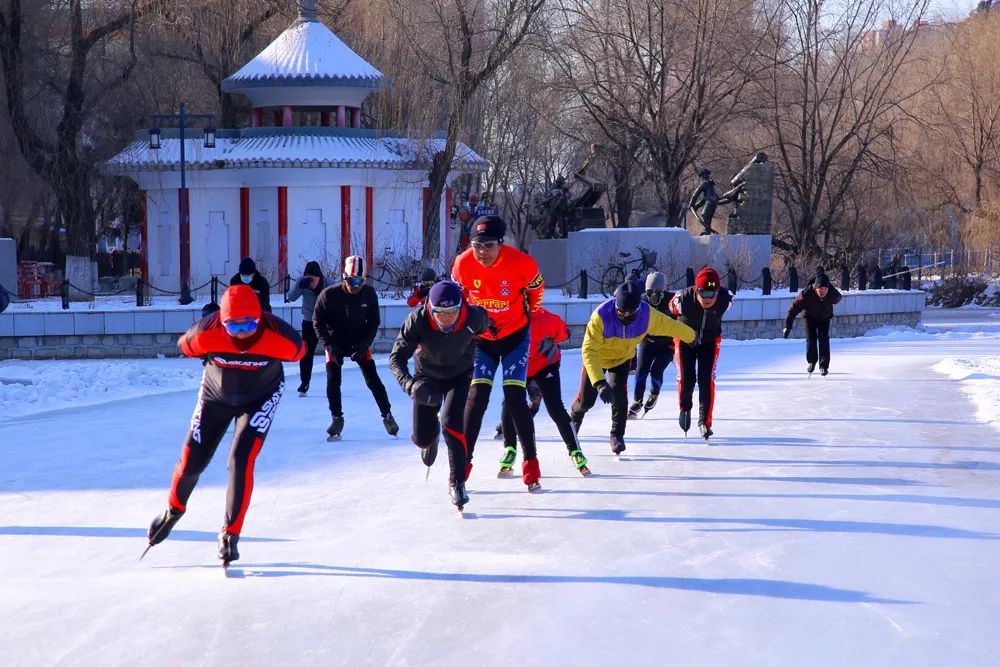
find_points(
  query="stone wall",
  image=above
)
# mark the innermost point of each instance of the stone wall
(148, 332)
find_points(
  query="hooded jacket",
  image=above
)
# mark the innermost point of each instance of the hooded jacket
(309, 296)
(608, 343)
(259, 285)
(436, 355)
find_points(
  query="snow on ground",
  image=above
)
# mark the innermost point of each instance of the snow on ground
(847, 520)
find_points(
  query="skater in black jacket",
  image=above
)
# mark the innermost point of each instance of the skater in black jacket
(441, 335)
(243, 380)
(655, 352)
(249, 275)
(346, 319)
(701, 307)
(817, 300)
(308, 287)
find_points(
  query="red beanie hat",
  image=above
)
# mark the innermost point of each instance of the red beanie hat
(239, 301)
(708, 278)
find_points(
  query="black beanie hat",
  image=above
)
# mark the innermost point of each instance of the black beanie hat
(313, 269)
(445, 294)
(628, 296)
(822, 280)
(428, 275)
(247, 266)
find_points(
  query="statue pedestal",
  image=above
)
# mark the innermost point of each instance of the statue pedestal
(747, 253)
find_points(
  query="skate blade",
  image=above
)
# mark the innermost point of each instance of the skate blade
(302, 394)
(532, 488)
(504, 472)
(332, 438)
(148, 547)
(585, 471)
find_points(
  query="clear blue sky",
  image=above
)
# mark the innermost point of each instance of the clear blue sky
(951, 8)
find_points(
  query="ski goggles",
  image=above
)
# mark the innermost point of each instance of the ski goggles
(446, 310)
(625, 313)
(654, 296)
(707, 293)
(354, 281)
(233, 328)
(485, 245)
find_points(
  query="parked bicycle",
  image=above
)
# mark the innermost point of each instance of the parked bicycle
(615, 274)
(394, 276)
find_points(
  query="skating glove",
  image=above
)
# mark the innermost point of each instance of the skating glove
(425, 392)
(304, 282)
(547, 346)
(785, 332)
(407, 385)
(604, 391)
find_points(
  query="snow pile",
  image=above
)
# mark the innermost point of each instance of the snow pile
(979, 379)
(28, 387)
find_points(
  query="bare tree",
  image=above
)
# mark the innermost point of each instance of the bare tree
(831, 100)
(665, 75)
(457, 45)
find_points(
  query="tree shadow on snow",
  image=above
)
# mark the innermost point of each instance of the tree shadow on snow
(755, 524)
(772, 588)
(111, 531)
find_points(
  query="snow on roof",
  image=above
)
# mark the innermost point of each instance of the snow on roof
(291, 151)
(307, 51)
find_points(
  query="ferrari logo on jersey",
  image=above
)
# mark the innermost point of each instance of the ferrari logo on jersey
(477, 283)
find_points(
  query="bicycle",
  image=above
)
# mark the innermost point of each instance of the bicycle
(614, 275)
(396, 275)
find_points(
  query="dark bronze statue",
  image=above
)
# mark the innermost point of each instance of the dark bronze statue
(706, 199)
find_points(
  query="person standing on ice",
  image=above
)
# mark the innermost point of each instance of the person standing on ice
(655, 352)
(817, 302)
(507, 284)
(701, 307)
(346, 318)
(243, 380)
(614, 331)
(441, 336)
(420, 291)
(547, 331)
(309, 287)
(249, 275)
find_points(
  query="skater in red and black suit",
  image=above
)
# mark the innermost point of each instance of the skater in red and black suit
(243, 380)
(420, 291)
(441, 336)
(700, 307)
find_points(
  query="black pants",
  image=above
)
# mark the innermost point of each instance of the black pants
(208, 426)
(653, 359)
(617, 378)
(427, 423)
(306, 362)
(547, 381)
(818, 332)
(368, 370)
(514, 394)
(697, 364)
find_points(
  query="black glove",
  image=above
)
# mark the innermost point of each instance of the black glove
(406, 384)
(604, 391)
(547, 346)
(360, 355)
(492, 328)
(304, 282)
(426, 392)
(785, 332)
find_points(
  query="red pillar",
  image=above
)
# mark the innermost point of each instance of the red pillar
(355, 117)
(144, 235)
(244, 222)
(345, 222)
(369, 225)
(257, 118)
(277, 118)
(341, 118)
(287, 120)
(184, 227)
(324, 119)
(282, 231)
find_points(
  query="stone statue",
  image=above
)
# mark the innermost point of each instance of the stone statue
(706, 199)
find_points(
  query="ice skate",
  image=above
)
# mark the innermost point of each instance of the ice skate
(617, 444)
(650, 402)
(303, 390)
(633, 410)
(459, 497)
(684, 419)
(810, 368)
(227, 548)
(499, 433)
(391, 427)
(507, 462)
(706, 431)
(824, 371)
(161, 526)
(429, 453)
(580, 461)
(335, 428)
(530, 473)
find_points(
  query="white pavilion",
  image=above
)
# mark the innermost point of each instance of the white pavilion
(292, 192)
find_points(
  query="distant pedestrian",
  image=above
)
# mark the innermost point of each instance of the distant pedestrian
(817, 302)
(249, 275)
(309, 287)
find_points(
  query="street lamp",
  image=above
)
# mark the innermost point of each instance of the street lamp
(185, 222)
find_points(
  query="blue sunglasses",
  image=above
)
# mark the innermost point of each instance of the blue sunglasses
(240, 327)
(355, 281)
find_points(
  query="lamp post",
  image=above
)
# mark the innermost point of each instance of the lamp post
(182, 119)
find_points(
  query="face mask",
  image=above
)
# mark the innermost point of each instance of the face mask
(246, 279)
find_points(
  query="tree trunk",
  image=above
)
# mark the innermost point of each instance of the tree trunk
(437, 180)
